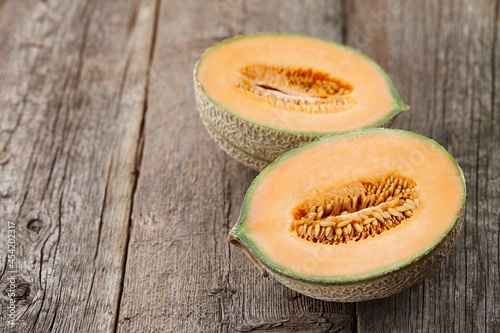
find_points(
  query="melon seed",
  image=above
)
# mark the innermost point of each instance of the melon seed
(357, 227)
(389, 202)
(296, 89)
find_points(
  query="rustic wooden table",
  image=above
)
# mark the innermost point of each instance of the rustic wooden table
(122, 202)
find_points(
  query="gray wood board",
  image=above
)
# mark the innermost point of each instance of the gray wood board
(71, 117)
(443, 58)
(123, 202)
(189, 192)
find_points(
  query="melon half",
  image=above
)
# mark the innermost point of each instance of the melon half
(355, 216)
(260, 96)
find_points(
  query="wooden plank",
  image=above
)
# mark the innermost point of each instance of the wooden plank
(443, 57)
(73, 83)
(181, 274)
(72, 102)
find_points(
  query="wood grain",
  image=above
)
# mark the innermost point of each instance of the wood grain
(70, 126)
(443, 57)
(123, 202)
(181, 274)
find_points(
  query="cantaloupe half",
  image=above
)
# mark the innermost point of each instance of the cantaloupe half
(355, 216)
(260, 96)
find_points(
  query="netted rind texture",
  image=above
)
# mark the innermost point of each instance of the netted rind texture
(233, 151)
(250, 144)
(384, 286)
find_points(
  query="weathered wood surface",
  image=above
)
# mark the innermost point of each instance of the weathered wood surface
(71, 118)
(443, 57)
(189, 192)
(123, 202)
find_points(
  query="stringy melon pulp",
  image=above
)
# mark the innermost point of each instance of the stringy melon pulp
(319, 172)
(298, 84)
(356, 210)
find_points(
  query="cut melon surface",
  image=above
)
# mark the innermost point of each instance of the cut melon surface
(266, 94)
(424, 223)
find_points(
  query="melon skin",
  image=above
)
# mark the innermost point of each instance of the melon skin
(354, 288)
(384, 286)
(256, 145)
(250, 144)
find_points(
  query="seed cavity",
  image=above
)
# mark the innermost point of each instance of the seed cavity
(296, 89)
(358, 211)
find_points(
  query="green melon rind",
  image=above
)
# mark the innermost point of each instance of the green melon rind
(243, 136)
(245, 158)
(383, 286)
(255, 162)
(259, 140)
(357, 284)
(398, 105)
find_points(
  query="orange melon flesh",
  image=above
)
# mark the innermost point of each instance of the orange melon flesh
(219, 71)
(363, 155)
